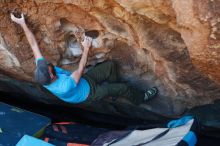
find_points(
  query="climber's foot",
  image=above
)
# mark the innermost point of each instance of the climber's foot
(149, 94)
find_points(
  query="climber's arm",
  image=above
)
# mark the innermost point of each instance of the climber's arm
(76, 75)
(30, 37)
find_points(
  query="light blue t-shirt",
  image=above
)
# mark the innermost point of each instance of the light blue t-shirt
(66, 88)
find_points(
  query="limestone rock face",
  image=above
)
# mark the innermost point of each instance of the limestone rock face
(171, 44)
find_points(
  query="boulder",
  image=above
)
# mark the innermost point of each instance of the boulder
(172, 44)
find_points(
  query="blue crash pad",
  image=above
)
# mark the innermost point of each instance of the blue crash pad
(27, 140)
(16, 122)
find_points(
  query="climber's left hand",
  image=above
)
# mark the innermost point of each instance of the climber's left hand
(20, 21)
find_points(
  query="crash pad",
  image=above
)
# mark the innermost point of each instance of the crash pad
(16, 122)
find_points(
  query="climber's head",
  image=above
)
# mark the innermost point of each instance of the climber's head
(45, 72)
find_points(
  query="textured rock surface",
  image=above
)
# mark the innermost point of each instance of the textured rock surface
(171, 44)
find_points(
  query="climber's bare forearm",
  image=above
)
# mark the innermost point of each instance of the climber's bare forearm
(83, 60)
(82, 64)
(87, 42)
(32, 41)
(30, 37)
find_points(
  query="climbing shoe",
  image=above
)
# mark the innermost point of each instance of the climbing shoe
(149, 94)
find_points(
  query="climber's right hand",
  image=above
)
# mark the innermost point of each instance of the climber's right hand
(20, 21)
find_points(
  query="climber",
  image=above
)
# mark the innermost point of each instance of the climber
(77, 87)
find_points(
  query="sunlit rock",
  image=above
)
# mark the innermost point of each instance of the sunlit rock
(172, 44)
